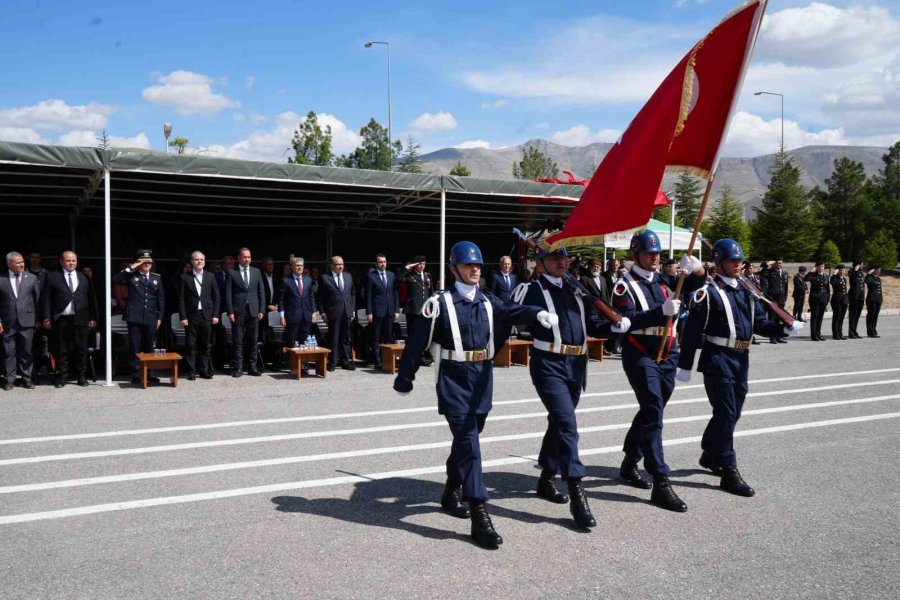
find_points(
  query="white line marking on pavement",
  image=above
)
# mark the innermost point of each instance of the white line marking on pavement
(379, 413)
(316, 483)
(33, 487)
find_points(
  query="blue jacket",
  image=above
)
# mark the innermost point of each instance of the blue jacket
(566, 304)
(499, 288)
(146, 301)
(381, 300)
(296, 309)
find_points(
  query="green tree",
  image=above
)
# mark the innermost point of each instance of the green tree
(664, 214)
(880, 249)
(687, 195)
(726, 220)
(311, 143)
(785, 225)
(180, 143)
(375, 152)
(829, 254)
(411, 161)
(885, 195)
(460, 170)
(534, 165)
(841, 210)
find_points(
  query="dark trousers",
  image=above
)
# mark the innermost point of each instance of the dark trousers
(798, 306)
(558, 380)
(244, 332)
(295, 331)
(339, 339)
(18, 348)
(464, 462)
(68, 342)
(780, 301)
(141, 338)
(653, 385)
(839, 310)
(725, 380)
(854, 312)
(816, 314)
(197, 336)
(382, 333)
(872, 310)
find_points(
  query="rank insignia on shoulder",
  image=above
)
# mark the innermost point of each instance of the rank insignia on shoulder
(135, 280)
(156, 282)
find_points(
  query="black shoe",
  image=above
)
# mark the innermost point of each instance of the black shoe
(28, 385)
(206, 376)
(773, 341)
(349, 366)
(546, 489)
(706, 463)
(330, 367)
(578, 506)
(82, 382)
(664, 496)
(191, 377)
(452, 503)
(236, 374)
(733, 482)
(152, 379)
(483, 530)
(629, 473)
(59, 383)
(782, 341)
(8, 385)
(254, 373)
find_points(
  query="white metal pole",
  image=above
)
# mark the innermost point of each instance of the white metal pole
(390, 114)
(443, 235)
(672, 229)
(107, 243)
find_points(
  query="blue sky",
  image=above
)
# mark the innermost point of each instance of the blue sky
(236, 78)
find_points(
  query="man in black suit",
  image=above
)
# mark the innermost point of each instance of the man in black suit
(198, 310)
(297, 304)
(245, 300)
(777, 288)
(337, 301)
(595, 281)
(143, 311)
(419, 288)
(505, 281)
(19, 300)
(382, 306)
(69, 312)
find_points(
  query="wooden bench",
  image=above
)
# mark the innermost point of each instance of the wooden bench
(389, 355)
(513, 352)
(298, 355)
(151, 361)
(595, 348)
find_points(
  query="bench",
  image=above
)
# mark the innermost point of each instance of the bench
(299, 355)
(595, 348)
(152, 361)
(516, 352)
(389, 355)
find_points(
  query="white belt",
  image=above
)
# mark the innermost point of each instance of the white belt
(465, 356)
(726, 343)
(654, 331)
(560, 348)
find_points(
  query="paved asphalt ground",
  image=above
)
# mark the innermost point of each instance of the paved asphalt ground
(270, 488)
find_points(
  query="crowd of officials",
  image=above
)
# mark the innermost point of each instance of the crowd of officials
(49, 317)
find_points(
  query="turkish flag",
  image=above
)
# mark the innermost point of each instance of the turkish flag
(681, 127)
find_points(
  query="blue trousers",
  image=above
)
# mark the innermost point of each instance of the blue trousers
(653, 385)
(725, 380)
(464, 462)
(559, 380)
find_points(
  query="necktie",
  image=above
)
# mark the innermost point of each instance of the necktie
(299, 285)
(506, 277)
(340, 282)
(71, 285)
(246, 278)
(383, 279)
(146, 280)
(16, 285)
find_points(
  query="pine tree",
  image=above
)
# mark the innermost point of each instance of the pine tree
(376, 151)
(411, 161)
(829, 254)
(534, 165)
(460, 170)
(785, 225)
(880, 249)
(841, 210)
(687, 194)
(885, 195)
(311, 143)
(726, 220)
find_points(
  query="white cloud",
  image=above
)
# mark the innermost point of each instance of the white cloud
(251, 81)
(271, 145)
(21, 134)
(188, 93)
(502, 103)
(473, 144)
(870, 103)
(751, 135)
(439, 121)
(56, 115)
(82, 137)
(581, 135)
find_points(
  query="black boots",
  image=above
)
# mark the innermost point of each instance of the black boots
(706, 463)
(546, 489)
(664, 496)
(578, 506)
(733, 482)
(629, 473)
(452, 503)
(482, 529)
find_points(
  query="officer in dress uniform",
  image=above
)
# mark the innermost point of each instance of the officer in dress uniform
(558, 369)
(874, 298)
(647, 298)
(776, 289)
(461, 323)
(799, 293)
(723, 316)
(818, 300)
(144, 310)
(839, 302)
(418, 289)
(856, 297)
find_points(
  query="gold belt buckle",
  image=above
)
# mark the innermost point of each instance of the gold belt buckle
(477, 355)
(742, 344)
(572, 350)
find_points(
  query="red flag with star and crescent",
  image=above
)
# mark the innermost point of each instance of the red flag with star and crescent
(681, 127)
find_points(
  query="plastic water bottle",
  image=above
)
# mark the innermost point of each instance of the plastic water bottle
(311, 341)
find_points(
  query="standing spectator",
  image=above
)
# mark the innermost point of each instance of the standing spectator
(611, 275)
(418, 289)
(69, 311)
(41, 345)
(244, 303)
(818, 300)
(503, 283)
(337, 300)
(839, 302)
(856, 297)
(34, 266)
(777, 288)
(19, 300)
(799, 294)
(144, 311)
(199, 304)
(297, 305)
(595, 281)
(750, 274)
(874, 298)
(382, 306)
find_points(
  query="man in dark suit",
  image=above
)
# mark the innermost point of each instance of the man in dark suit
(382, 306)
(595, 281)
(418, 289)
(143, 311)
(69, 312)
(199, 303)
(337, 301)
(297, 304)
(19, 299)
(245, 300)
(503, 283)
(777, 288)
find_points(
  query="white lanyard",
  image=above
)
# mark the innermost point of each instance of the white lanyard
(551, 308)
(638, 292)
(454, 327)
(729, 315)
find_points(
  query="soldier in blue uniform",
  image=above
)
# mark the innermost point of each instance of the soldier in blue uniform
(461, 322)
(723, 316)
(144, 310)
(839, 303)
(648, 298)
(558, 369)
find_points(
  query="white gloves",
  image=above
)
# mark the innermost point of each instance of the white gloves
(671, 307)
(689, 263)
(623, 326)
(683, 375)
(547, 320)
(794, 329)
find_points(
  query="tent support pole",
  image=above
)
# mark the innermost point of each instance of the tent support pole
(443, 250)
(672, 229)
(107, 244)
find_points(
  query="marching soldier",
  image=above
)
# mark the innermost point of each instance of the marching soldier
(873, 300)
(461, 322)
(818, 300)
(856, 297)
(144, 309)
(839, 302)
(558, 369)
(723, 316)
(647, 298)
(799, 294)
(418, 289)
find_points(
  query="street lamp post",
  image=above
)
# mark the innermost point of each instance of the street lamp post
(782, 119)
(390, 139)
(167, 131)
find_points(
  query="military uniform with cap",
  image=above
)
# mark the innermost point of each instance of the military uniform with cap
(799, 293)
(839, 303)
(144, 309)
(856, 297)
(419, 288)
(874, 298)
(818, 300)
